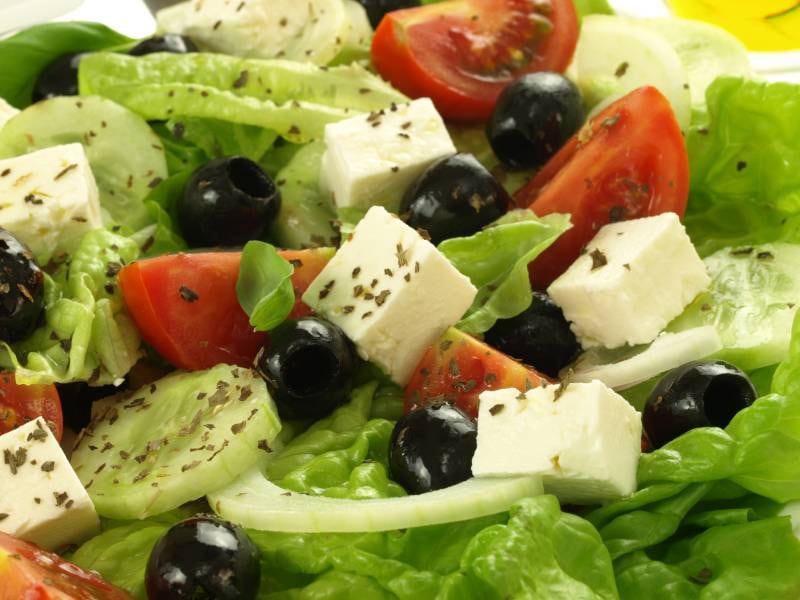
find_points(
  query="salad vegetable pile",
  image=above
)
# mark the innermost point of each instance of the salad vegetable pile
(386, 299)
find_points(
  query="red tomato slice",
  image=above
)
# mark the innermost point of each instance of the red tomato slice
(628, 162)
(185, 305)
(29, 573)
(462, 53)
(458, 368)
(22, 403)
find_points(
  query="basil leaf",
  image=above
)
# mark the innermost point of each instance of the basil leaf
(264, 287)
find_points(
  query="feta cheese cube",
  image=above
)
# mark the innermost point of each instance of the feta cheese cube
(372, 159)
(49, 198)
(7, 112)
(392, 292)
(634, 278)
(41, 499)
(584, 440)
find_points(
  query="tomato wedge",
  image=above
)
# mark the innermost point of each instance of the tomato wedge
(628, 162)
(185, 305)
(29, 573)
(462, 53)
(22, 403)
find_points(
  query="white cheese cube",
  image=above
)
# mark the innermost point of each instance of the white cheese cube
(41, 499)
(392, 292)
(584, 440)
(372, 159)
(49, 198)
(634, 278)
(7, 112)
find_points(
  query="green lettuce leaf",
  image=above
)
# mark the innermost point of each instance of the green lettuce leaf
(218, 138)
(745, 166)
(264, 287)
(24, 55)
(342, 456)
(496, 261)
(752, 301)
(87, 335)
(294, 100)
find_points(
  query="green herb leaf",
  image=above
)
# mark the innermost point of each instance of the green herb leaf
(264, 287)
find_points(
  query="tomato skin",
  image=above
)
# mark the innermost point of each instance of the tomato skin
(29, 573)
(628, 162)
(422, 51)
(185, 305)
(22, 403)
(458, 368)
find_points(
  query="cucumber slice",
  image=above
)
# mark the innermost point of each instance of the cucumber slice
(155, 449)
(254, 502)
(705, 50)
(615, 56)
(668, 351)
(358, 35)
(127, 158)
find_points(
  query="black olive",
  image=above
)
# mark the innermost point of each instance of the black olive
(431, 448)
(454, 197)
(533, 118)
(227, 202)
(77, 399)
(203, 557)
(59, 78)
(308, 365)
(377, 8)
(169, 42)
(21, 289)
(697, 394)
(539, 336)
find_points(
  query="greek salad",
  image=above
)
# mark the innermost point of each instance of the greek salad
(378, 299)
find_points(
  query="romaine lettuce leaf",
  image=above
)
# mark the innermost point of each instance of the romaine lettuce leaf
(87, 336)
(496, 261)
(745, 166)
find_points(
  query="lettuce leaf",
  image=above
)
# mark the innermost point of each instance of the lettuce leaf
(745, 166)
(496, 261)
(87, 336)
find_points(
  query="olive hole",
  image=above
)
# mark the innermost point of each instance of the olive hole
(510, 140)
(310, 370)
(249, 178)
(725, 396)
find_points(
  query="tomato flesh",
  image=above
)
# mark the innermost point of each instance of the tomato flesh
(29, 573)
(628, 162)
(185, 305)
(458, 368)
(22, 403)
(463, 53)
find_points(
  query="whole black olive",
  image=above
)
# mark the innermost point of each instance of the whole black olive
(59, 78)
(227, 202)
(169, 42)
(533, 118)
(539, 336)
(203, 557)
(697, 394)
(376, 9)
(308, 365)
(454, 197)
(21, 289)
(431, 448)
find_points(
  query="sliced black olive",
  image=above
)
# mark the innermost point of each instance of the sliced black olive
(697, 394)
(539, 336)
(21, 289)
(169, 42)
(203, 557)
(454, 197)
(59, 78)
(308, 366)
(533, 118)
(227, 202)
(431, 448)
(376, 9)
